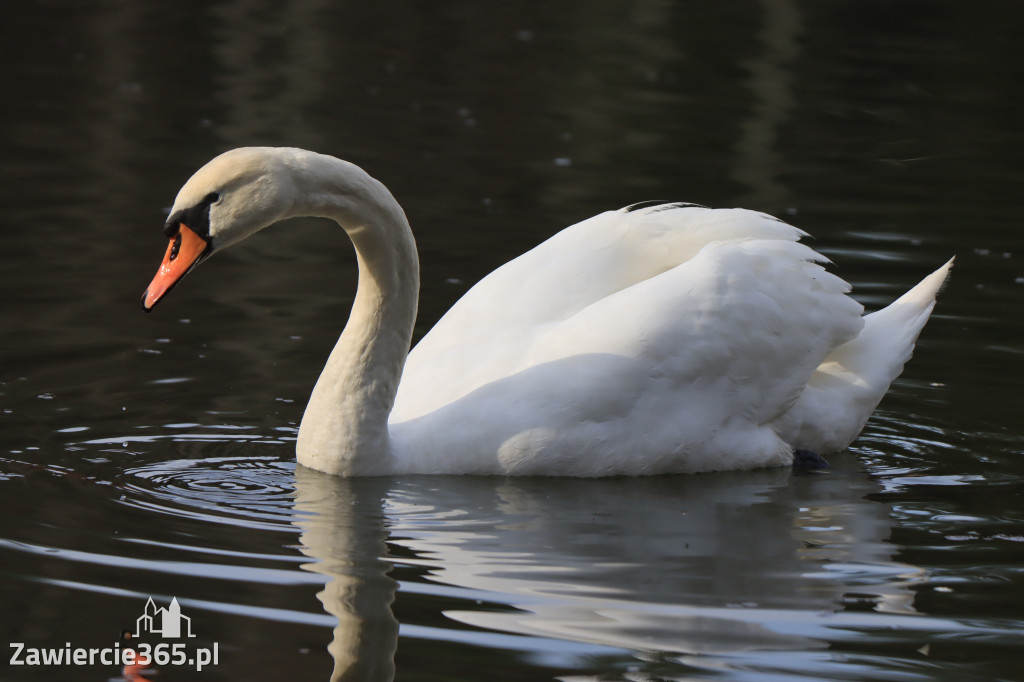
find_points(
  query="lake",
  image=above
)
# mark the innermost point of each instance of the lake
(152, 456)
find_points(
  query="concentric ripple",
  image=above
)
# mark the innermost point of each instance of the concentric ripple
(221, 474)
(256, 492)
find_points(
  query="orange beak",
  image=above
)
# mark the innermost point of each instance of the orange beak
(185, 250)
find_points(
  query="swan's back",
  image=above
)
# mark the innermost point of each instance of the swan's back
(607, 283)
(591, 260)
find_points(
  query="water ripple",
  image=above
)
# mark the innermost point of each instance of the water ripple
(256, 492)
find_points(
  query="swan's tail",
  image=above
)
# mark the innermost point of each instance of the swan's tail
(852, 380)
(885, 344)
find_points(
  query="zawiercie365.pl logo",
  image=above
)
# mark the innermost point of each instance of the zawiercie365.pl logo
(131, 652)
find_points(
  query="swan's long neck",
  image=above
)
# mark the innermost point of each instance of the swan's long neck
(345, 427)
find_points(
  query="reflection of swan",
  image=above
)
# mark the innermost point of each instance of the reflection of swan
(732, 562)
(655, 339)
(725, 562)
(345, 534)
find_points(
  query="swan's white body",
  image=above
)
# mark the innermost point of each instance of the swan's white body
(666, 339)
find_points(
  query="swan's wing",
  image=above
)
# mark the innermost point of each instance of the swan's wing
(742, 325)
(687, 294)
(589, 261)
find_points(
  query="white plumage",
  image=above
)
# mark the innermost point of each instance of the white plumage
(654, 339)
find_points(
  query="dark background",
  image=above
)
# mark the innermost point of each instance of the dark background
(891, 131)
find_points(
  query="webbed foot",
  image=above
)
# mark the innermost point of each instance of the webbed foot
(806, 459)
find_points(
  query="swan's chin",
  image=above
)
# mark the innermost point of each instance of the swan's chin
(184, 252)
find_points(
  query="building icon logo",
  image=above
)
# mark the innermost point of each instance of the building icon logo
(166, 622)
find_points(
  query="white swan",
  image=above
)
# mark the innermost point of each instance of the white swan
(655, 339)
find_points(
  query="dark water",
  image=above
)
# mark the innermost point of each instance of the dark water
(153, 455)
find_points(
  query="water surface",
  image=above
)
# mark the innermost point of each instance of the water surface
(153, 456)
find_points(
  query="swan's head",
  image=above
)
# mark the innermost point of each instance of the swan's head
(233, 196)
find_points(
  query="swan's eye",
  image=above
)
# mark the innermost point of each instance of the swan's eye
(212, 198)
(175, 247)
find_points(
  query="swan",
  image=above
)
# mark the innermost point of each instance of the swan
(659, 338)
